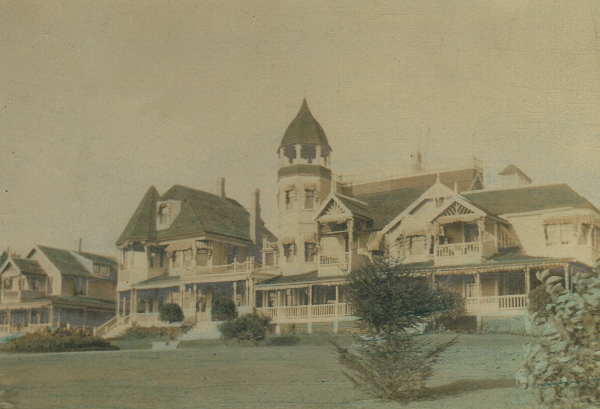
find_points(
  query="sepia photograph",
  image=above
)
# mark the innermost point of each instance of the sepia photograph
(299, 204)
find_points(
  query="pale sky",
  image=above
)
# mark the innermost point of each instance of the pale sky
(101, 99)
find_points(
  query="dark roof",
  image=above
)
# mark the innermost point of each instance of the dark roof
(3, 258)
(527, 199)
(305, 129)
(384, 207)
(142, 225)
(64, 261)
(464, 178)
(357, 207)
(28, 266)
(162, 279)
(299, 279)
(205, 212)
(82, 301)
(201, 213)
(99, 259)
(511, 170)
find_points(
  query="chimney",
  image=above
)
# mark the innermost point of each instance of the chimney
(221, 188)
(254, 215)
(80, 244)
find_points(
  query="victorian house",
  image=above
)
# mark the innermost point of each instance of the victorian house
(56, 287)
(188, 247)
(486, 244)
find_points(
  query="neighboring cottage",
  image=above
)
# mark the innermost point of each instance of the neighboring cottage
(56, 287)
(191, 247)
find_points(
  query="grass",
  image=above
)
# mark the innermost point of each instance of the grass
(477, 373)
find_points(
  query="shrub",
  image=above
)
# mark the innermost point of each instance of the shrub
(149, 333)
(563, 366)
(171, 313)
(224, 309)
(249, 327)
(284, 341)
(538, 300)
(391, 303)
(59, 340)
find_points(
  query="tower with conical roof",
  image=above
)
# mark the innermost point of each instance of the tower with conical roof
(304, 181)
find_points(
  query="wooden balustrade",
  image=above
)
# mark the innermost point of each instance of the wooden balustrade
(334, 259)
(306, 311)
(496, 303)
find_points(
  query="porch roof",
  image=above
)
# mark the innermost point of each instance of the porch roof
(300, 280)
(164, 280)
(82, 302)
(509, 261)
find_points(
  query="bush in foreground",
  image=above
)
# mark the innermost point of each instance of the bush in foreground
(224, 309)
(59, 340)
(171, 313)
(249, 327)
(563, 366)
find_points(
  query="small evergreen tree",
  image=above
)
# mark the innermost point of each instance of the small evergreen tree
(224, 309)
(391, 302)
(171, 313)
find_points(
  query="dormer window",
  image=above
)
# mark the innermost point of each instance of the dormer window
(439, 202)
(103, 270)
(163, 214)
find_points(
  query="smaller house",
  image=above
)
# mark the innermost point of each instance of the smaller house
(56, 287)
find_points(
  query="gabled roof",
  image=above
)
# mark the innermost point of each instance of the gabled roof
(305, 129)
(355, 206)
(384, 207)
(27, 266)
(3, 258)
(512, 169)
(64, 261)
(142, 225)
(527, 199)
(99, 259)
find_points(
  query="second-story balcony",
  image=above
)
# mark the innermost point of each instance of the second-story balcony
(235, 267)
(464, 253)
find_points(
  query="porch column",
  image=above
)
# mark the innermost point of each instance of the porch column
(310, 295)
(28, 317)
(84, 317)
(235, 292)
(118, 304)
(567, 278)
(350, 224)
(337, 302)
(51, 315)
(527, 281)
(131, 302)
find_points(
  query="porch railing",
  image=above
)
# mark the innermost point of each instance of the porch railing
(235, 267)
(105, 328)
(496, 303)
(334, 259)
(11, 296)
(458, 249)
(306, 311)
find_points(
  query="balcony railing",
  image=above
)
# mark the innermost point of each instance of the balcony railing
(458, 249)
(10, 296)
(234, 267)
(306, 311)
(496, 303)
(341, 259)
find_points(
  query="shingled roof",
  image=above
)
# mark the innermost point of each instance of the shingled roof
(64, 261)
(527, 199)
(142, 225)
(201, 213)
(384, 207)
(28, 266)
(305, 129)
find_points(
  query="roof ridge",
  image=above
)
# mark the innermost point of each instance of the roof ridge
(351, 198)
(532, 186)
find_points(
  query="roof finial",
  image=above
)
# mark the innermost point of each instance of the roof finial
(437, 178)
(456, 187)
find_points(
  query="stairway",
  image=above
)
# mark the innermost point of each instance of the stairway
(117, 331)
(203, 330)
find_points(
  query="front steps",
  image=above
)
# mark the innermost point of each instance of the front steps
(203, 330)
(117, 331)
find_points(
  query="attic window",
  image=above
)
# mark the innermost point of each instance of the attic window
(98, 269)
(163, 214)
(439, 202)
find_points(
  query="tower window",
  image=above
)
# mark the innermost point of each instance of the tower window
(290, 199)
(163, 214)
(310, 251)
(309, 199)
(288, 252)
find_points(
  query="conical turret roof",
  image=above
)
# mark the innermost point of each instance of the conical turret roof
(305, 129)
(142, 225)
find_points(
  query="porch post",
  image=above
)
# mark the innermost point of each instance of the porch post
(310, 295)
(28, 317)
(235, 292)
(566, 270)
(84, 317)
(118, 304)
(51, 315)
(527, 281)
(350, 224)
(337, 300)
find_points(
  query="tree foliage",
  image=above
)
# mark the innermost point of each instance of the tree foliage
(563, 366)
(391, 301)
(224, 309)
(248, 327)
(171, 313)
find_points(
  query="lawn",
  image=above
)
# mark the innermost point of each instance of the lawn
(477, 372)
